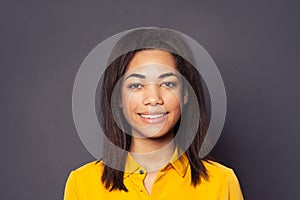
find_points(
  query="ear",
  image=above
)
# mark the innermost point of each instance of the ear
(185, 96)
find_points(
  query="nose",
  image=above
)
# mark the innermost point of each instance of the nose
(152, 95)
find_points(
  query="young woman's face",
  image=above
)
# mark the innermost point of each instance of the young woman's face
(152, 94)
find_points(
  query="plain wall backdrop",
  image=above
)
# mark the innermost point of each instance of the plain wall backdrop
(255, 45)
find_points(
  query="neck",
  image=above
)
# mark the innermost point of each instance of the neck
(153, 153)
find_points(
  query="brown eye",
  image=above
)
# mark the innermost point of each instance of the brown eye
(135, 86)
(168, 84)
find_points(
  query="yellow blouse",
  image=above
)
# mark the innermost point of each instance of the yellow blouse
(172, 182)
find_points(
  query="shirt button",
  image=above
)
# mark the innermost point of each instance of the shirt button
(141, 171)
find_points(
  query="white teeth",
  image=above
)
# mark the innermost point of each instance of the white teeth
(152, 116)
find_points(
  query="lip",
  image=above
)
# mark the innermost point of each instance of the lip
(153, 117)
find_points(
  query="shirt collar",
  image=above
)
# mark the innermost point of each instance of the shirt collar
(180, 164)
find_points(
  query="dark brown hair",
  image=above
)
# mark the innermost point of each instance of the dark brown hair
(191, 140)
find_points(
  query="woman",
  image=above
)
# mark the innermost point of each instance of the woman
(152, 110)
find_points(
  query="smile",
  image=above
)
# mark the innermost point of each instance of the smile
(153, 118)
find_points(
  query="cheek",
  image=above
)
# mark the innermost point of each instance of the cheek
(130, 101)
(173, 99)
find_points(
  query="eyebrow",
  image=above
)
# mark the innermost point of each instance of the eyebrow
(135, 75)
(167, 75)
(143, 77)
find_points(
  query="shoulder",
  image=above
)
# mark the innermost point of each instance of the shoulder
(85, 181)
(89, 172)
(91, 168)
(217, 168)
(225, 178)
(86, 176)
(220, 173)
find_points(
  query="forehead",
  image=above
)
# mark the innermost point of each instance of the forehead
(146, 57)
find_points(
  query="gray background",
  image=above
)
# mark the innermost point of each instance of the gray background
(254, 44)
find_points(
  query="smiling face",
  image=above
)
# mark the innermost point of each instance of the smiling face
(152, 94)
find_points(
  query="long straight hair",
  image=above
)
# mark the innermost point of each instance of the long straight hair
(113, 178)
